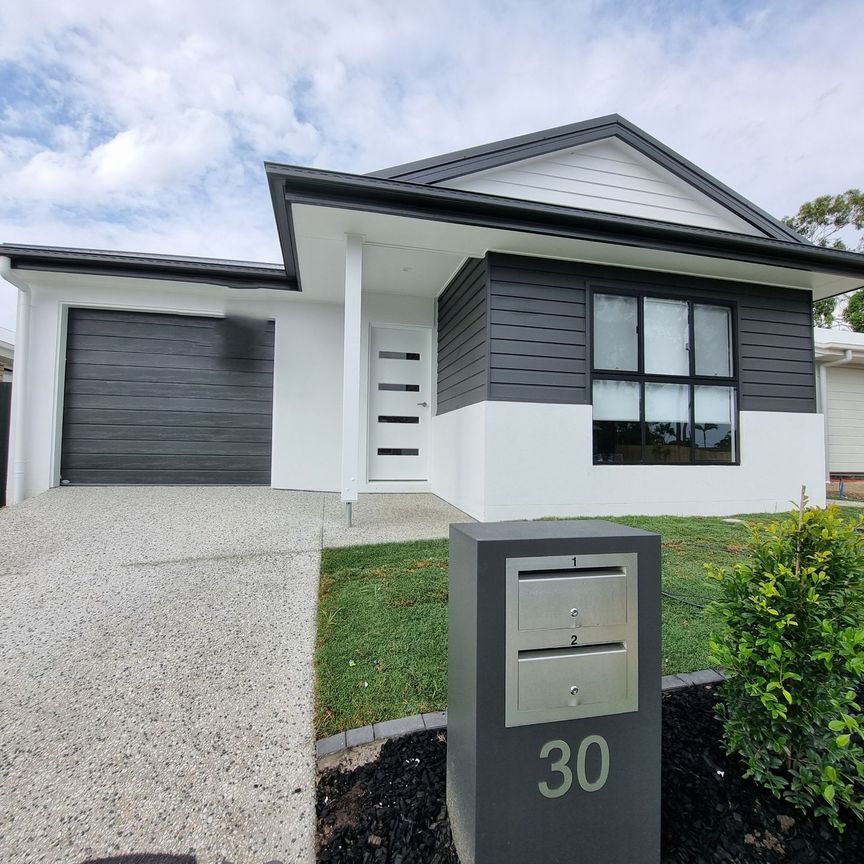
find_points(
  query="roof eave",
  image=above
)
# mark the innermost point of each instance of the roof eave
(362, 192)
(103, 263)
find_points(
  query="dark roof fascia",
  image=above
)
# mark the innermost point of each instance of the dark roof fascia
(284, 227)
(448, 166)
(231, 274)
(362, 192)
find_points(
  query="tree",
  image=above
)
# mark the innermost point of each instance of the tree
(822, 221)
(853, 314)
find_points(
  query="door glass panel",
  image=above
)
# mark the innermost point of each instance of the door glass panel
(712, 326)
(617, 431)
(667, 423)
(403, 388)
(666, 337)
(399, 355)
(714, 418)
(616, 343)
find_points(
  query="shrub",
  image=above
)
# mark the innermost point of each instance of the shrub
(791, 640)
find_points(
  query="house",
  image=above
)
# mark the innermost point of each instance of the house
(7, 354)
(577, 321)
(840, 392)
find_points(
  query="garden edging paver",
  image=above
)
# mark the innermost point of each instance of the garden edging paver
(341, 741)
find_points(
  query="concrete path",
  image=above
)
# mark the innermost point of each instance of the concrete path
(156, 668)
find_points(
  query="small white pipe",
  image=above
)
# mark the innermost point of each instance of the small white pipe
(18, 437)
(822, 401)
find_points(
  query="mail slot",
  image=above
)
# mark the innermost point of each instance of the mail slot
(553, 715)
(572, 677)
(591, 598)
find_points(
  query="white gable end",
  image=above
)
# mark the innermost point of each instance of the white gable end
(609, 176)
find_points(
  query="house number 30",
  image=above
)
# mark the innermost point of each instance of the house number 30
(562, 766)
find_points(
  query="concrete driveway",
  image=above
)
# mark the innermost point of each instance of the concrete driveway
(156, 681)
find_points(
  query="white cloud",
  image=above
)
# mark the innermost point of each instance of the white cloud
(143, 126)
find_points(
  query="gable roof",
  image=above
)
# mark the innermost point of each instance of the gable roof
(449, 166)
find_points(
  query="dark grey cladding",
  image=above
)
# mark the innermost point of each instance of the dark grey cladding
(463, 349)
(516, 328)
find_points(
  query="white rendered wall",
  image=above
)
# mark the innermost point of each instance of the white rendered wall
(307, 397)
(459, 458)
(307, 368)
(517, 460)
(539, 463)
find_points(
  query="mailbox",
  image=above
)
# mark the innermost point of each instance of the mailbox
(553, 748)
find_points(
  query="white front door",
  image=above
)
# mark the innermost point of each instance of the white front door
(399, 403)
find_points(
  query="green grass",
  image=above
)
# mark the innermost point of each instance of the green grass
(382, 619)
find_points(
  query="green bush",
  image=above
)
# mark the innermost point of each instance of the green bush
(791, 640)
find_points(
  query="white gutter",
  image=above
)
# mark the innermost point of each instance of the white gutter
(17, 450)
(822, 394)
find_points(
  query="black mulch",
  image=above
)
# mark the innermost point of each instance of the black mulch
(392, 810)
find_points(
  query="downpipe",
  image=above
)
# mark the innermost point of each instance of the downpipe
(18, 436)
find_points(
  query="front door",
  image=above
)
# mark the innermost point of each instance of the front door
(399, 403)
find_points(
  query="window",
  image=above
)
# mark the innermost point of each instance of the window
(664, 388)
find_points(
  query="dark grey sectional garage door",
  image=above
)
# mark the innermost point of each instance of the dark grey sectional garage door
(173, 399)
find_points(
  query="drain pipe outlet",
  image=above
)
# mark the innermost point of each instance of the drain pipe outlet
(17, 449)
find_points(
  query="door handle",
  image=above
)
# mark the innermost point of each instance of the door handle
(423, 404)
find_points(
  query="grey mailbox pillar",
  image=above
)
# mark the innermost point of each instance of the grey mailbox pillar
(553, 724)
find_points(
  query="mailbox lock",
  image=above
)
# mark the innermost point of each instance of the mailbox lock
(574, 613)
(574, 691)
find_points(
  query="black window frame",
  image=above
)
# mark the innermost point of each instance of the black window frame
(640, 376)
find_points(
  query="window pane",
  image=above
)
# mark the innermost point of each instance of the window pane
(615, 332)
(616, 400)
(714, 426)
(617, 431)
(666, 337)
(712, 326)
(667, 422)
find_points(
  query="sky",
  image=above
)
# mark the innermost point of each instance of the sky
(143, 126)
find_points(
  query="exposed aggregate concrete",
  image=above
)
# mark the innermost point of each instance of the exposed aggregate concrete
(156, 677)
(156, 667)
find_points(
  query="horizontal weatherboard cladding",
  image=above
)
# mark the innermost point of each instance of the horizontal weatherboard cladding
(166, 399)
(463, 321)
(775, 349)
(527, 338)
(538, 332)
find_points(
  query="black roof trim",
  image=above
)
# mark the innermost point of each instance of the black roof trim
(362, 192)
(232, 274)
(285, 228)
(448, 166)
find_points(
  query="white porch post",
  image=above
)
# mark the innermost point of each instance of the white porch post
(351, 372)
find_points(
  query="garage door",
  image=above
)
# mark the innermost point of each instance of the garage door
(173, 399)
(846, 420)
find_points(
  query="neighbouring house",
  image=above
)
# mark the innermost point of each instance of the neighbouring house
(840, 393)
(578, 321)
(7, 354)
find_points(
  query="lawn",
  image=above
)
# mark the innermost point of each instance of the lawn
(382, 619)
